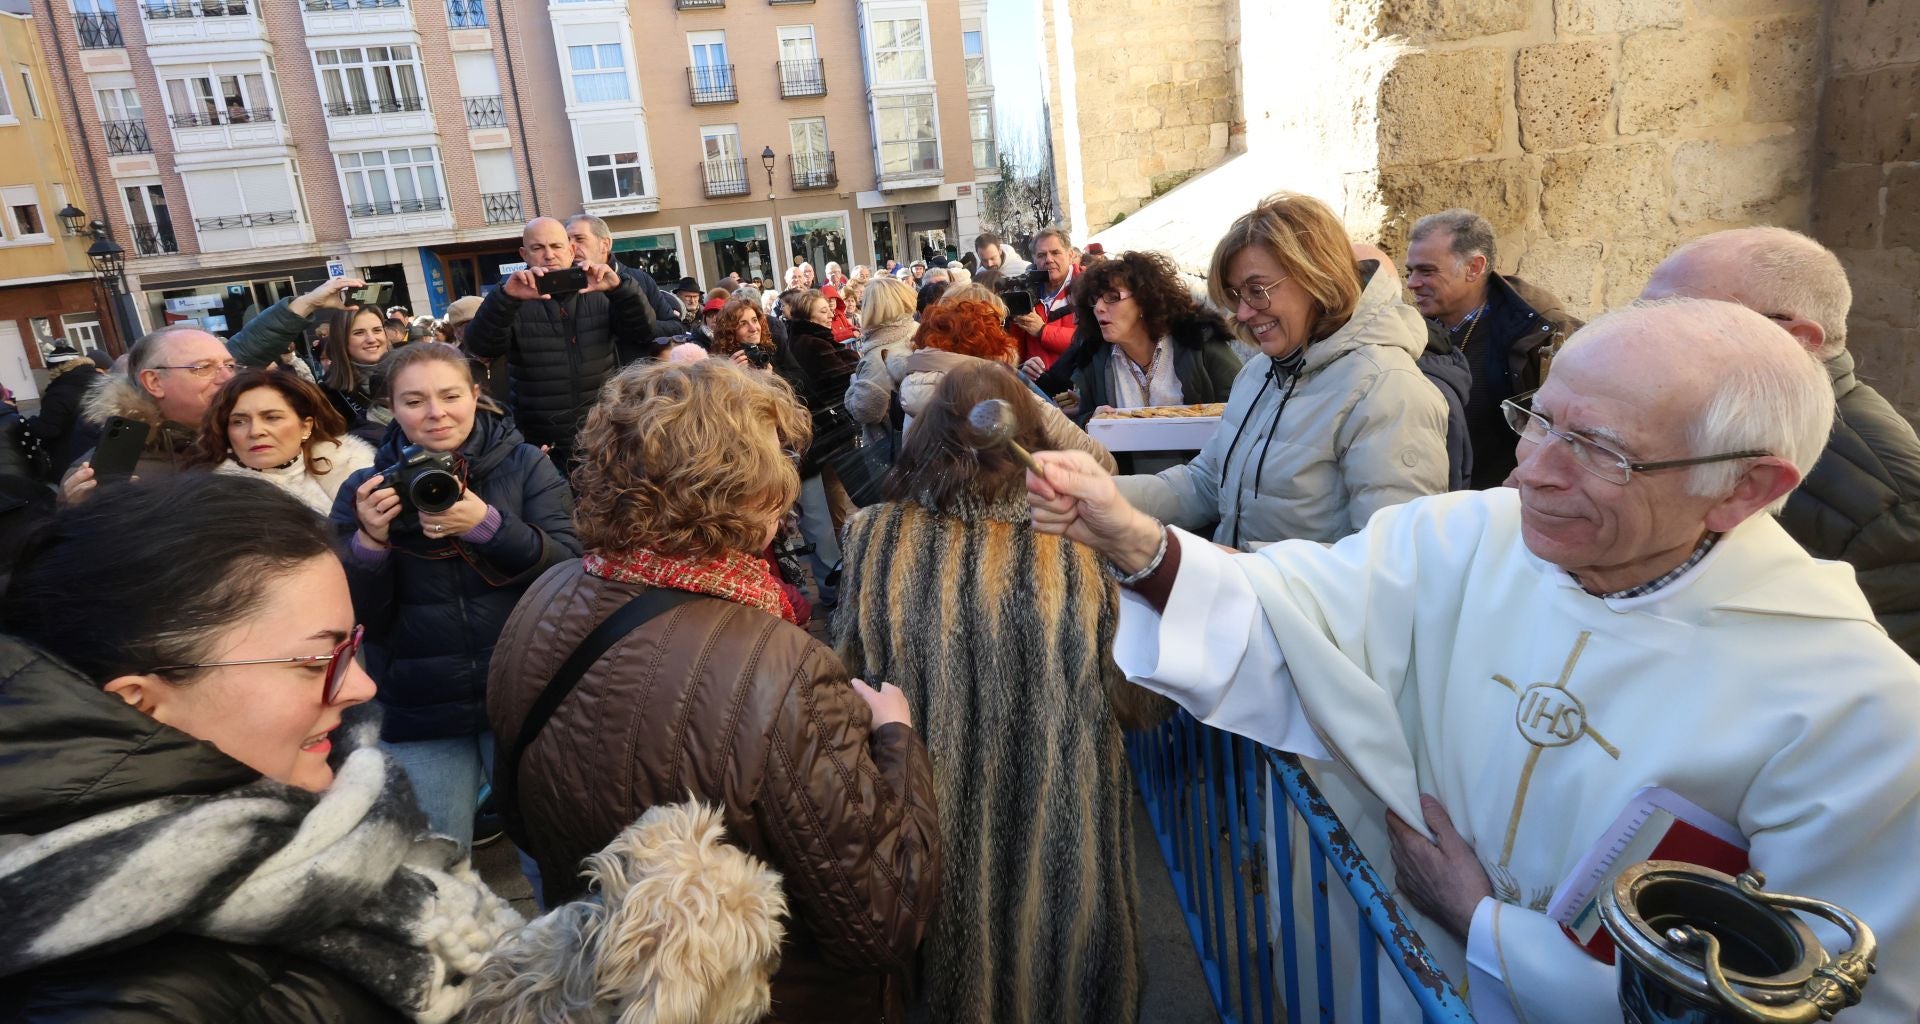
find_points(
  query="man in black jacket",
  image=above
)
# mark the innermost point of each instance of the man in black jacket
(560, 346)
(1507, 328)
(1861, 502)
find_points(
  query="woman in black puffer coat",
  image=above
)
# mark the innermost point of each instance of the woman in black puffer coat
(433, 590)
(822, 369)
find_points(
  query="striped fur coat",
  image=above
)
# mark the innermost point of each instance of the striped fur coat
(1001, 639)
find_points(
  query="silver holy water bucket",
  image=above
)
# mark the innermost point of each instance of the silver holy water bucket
(1696, 946)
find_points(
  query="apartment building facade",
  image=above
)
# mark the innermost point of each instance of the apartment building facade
(48, 293)
(236, 146)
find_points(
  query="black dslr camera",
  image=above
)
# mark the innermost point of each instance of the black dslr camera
(757, 357)
(1022, 292)
(427, 481)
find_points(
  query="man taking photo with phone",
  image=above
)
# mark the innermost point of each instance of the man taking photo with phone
(562, 323)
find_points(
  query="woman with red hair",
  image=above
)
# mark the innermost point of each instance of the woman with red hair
(953, 334)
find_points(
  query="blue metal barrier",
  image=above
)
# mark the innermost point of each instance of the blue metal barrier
(1209, 795)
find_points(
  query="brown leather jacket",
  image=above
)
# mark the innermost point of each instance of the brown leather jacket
(743, 710)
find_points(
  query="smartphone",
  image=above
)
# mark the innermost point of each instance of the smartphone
(374, 295)
(118, 452)
(563, 281)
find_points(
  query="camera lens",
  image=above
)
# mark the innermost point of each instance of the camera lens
(434, 490)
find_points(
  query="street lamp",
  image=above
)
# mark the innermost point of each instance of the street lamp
(773, 249)
(71, 218)
(109, 265)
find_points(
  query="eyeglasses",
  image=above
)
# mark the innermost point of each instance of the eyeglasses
(205, 369)
(336, 663)
(1592, 455)
(1257, 296)
(1115, 297)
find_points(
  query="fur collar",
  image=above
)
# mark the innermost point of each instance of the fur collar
(115, 395)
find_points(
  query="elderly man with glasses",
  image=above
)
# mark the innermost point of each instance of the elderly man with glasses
(1506, 670)
(172, 375)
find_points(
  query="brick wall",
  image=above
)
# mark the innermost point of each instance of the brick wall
(1867, 203)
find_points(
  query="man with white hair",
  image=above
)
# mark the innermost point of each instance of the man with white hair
(1507, 669)
(1861, 503)
(172, 375)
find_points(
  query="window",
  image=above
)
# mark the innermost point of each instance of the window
(385, 181)
(476, 73)
(725, 171)
(796, 43)
(907, 140)
(973, 43)
(711, 75)
(370, 80)
(809, 137)
(26, 87)
(119, 104)
(24, 221)
(6, 103)
(599, 73)
(612, 153)
(82, 331)
(899, 48)
(152, 224)
(980, 119)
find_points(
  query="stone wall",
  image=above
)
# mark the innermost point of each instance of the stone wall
(1594, 134)
(1867, 203)
(1154, 101)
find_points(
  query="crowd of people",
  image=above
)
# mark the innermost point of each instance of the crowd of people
(555, 566)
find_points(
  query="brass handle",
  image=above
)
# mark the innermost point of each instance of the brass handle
(1834, 987)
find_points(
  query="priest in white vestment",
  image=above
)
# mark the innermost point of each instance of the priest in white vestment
(1628, 614)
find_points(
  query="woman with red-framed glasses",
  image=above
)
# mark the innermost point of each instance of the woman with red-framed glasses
(196, 787)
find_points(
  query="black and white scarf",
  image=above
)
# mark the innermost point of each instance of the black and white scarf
(349, 877)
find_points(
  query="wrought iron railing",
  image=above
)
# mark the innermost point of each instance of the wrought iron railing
(806, 77)
(1213, 798)
(725, 178)
(98, 31)
(165, 10)
(690, 5)
(467, 13)
(125, 137)
(486, 112)
(712, 83)
(246, 220)
(360, 108)
(501, 207)
(154, 240)
(813, 170)
(396, 206)
(344, 5)
(231, 115)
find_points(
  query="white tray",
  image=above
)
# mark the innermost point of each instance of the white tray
(1153, 434)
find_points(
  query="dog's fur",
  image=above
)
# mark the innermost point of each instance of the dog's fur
(681, 929)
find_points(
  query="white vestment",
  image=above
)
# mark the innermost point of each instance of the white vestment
(1432, 652)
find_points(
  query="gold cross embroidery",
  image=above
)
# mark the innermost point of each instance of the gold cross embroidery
(1548, 716)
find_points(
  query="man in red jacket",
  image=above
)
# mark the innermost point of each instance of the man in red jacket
(1046, 332)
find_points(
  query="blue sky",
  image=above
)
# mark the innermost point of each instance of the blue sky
(1013, 48)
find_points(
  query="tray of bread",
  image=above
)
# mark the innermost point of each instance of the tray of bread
(1162, 428)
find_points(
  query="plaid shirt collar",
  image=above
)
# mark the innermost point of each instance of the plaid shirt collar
(1699, 552)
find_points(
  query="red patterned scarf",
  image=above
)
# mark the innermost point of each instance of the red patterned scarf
(734, 576)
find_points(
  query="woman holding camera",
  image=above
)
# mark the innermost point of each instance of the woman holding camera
(275, 426)
(455, 518)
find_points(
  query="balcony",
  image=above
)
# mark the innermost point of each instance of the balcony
(356, 17)
(398, 217)
(711, 83)
(467, 13)
(485, 112)
(127, 137)
(201, 21)
(166, 10)
(154, 240)
(813, 170)
(238, 232)
(364, 108)
(232, 115)
(209, 132)
(725, 178)
(501, 207)
(697, 5)
(802, 77)
(98, 31)
(396, 206)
